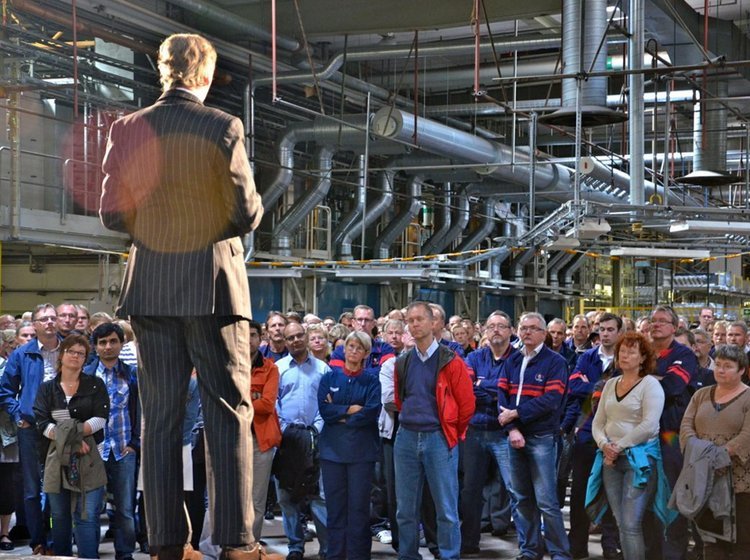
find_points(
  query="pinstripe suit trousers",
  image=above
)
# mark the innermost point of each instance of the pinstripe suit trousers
(218, 347)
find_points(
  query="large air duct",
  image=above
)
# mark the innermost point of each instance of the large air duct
(399, 224)
(710, 138)
(282, 233)
(444, 221)
(555, 265)
(572, 267)
(584, 25)
(355, 214)
(520, 262)
(484, 229)
(492, 158)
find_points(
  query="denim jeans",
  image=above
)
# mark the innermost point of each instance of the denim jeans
(480, 448)
(86, 529)
(628, 504)
(291, 519)
(533, 475)
(419, 456)
(31, 466)
(121, 482)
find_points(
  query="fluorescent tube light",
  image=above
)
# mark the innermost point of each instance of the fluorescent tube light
(710, 226)
(657, 253)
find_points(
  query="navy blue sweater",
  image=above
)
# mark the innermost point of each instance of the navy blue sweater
(544, 383)
(349, 438)
(587, 373)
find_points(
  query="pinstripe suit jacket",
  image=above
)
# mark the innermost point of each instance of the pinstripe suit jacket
(177, 179)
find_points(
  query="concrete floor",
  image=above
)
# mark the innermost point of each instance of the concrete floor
(273, 535)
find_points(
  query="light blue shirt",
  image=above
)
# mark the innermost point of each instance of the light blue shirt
(430, 351)
(298, 391)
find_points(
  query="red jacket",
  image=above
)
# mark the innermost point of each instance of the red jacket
(454, 392)
(265, 380)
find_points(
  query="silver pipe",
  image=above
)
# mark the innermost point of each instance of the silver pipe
(354, 215)
(399, 224)
(709, 129)
(295, 133)
(490, 109)
(520, 262)
(584, 26)
(635, 102)
(445, 223)
(554, 268)
(462, 215)
(282, 233)
(571, 269)
(485, 228)
(234, 24)
(496, 262)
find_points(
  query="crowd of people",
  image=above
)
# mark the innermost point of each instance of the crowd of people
(410, 428)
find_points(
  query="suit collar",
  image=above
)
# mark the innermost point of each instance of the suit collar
(178, 96)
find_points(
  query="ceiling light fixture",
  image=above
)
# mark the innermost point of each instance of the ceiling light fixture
(657, 253)
(710, 226)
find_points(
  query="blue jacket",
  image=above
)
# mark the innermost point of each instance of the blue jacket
(21, 380)
(676, 366)
(544, 383)
(638, 457)
(485, 375)
(349, 438)
(587, 373)
(134, 405)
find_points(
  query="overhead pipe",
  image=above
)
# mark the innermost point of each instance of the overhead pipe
(233, 23)
(325, 132)
(484, 229)
(554, 268)
(636, 108)
(443, 140)
(584, 25)
(496, 262)
(492, 109)
(284, 230)
(462, 215)
(420, 163)
(519, 262)
(388, 52)
(399, 224)
(445, 222)
(355, 214)
(572, 267)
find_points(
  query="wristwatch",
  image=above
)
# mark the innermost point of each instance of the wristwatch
(20, 423)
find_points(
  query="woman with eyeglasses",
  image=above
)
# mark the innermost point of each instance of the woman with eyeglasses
(71, 412)
(349, 402)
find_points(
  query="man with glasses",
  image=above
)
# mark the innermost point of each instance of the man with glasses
(67, 317)
(676, 365)
(485, 440)
(364, 321)
(27, 368)
(299, 376)
(530, 396)
(706, 318)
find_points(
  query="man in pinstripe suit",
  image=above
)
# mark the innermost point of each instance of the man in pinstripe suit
(177, 179)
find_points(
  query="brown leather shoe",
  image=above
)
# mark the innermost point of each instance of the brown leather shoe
(178, 552)
(258, 553)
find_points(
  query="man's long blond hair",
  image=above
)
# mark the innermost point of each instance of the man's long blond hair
(185, 60)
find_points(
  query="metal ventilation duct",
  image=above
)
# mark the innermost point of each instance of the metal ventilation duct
(355, 214)
(492, 158)
(401, 222)
(710, 139)
(483, 230)
(282, 233)
(444, 215)
(584, 23)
